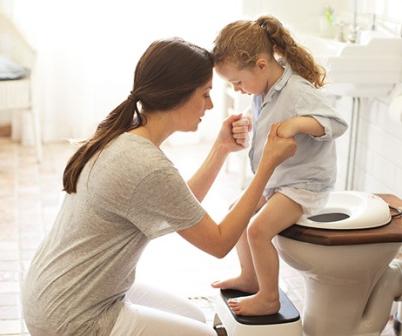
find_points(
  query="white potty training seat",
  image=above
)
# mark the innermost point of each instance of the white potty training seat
(285, 323)
(349, 218)
(349, 210)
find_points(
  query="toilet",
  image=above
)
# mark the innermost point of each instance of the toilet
(345, 253)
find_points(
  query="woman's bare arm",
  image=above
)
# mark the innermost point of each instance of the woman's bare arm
(219, 239)
(226, 142)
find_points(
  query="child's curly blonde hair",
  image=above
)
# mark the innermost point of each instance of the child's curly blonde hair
(241, 42)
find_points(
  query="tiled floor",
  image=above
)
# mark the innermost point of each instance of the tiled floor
(30, 195)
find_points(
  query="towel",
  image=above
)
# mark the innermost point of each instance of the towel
(10, 70)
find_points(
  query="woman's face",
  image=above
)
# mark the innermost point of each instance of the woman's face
(247, 81)
(189, 114)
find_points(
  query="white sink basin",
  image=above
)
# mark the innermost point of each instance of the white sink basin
(368, 69)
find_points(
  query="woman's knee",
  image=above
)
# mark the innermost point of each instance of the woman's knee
(152, 297)
(194, 312)
(136, 320)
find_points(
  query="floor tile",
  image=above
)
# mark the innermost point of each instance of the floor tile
(10, 327)
(9, 299)
(9, 313)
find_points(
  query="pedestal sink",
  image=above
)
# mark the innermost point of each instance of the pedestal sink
(367, 69)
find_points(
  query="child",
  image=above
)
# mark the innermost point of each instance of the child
(244, 55)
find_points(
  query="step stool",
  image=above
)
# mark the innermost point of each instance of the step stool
(285, 323)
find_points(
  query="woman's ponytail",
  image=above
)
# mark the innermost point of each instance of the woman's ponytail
(120, 120)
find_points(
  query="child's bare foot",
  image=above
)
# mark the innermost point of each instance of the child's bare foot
(245, 284)
(254, 305)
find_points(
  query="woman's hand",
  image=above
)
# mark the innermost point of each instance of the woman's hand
(234, 133)
(277, 149)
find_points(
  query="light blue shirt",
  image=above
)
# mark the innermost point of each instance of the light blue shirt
(313, 167)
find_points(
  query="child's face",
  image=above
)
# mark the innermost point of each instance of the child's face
(247, 81)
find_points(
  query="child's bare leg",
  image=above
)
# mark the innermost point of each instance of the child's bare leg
(247, 279)
(279, 213)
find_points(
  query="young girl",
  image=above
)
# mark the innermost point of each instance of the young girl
(245, 54)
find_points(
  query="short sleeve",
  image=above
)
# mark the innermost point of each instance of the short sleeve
(313, 103)
(163, 203)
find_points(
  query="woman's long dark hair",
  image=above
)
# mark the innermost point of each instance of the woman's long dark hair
(166, 76)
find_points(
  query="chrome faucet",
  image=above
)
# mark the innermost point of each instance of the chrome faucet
(353, 33)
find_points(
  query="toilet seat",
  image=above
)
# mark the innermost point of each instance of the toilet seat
(390, 233)
(349, 210)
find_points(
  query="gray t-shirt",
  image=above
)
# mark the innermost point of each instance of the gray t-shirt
(79, 276)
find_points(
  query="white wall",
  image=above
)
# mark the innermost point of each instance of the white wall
(87, 52)
(301, 16)
(307, 16)
(379, 163)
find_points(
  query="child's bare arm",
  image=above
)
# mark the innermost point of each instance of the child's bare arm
(303, 124)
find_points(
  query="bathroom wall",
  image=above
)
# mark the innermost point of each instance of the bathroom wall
(294, 13)
(379, 150)
(379, 155)
(378, 165)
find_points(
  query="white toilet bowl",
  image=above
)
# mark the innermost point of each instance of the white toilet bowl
(349, 281)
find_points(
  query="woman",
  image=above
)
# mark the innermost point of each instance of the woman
(122, 191)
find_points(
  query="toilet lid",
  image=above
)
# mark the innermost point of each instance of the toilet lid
(349, 210)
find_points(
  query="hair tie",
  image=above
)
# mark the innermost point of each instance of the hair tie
(131, 97)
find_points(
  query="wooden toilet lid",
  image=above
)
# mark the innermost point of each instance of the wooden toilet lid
(389, 233)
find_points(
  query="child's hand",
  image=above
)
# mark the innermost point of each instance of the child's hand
(288, 128)
(240, 131)
(233, 135)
